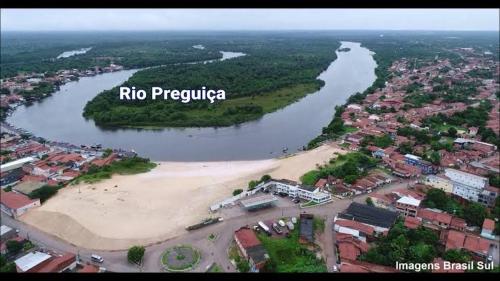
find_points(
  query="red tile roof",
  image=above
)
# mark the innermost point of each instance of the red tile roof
(476, 244)
(434, 216)
(454, 240)
(55, 264)
(246, 237)
(412, 223)
(89, 268)
(368, 230)
(14, 200)
(321, 183)
(489, 224)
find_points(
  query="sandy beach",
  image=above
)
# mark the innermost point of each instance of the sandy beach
(146, 208)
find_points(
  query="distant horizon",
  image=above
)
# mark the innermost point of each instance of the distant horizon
(37, 20)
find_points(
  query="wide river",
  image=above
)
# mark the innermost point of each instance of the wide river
(59, 118)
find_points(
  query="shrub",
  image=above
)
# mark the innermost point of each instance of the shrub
(135, 254)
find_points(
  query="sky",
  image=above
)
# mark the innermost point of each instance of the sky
(248, 19)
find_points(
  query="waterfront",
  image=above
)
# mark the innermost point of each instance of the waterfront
(59, 118)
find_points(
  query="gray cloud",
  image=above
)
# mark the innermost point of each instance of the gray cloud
(248, 19)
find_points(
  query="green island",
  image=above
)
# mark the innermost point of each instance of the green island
(273, 73)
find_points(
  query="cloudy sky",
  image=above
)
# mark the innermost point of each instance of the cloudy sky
(248, 19)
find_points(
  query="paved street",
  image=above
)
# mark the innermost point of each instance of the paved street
(211, 251)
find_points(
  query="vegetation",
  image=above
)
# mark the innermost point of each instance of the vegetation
(369, 201)
(349, 167)
(253, 183)
(319, 224)
(288, 255)
(404, 245)
(44, 192)
(242, 265)
(274, 73)
(457, 255)
(6, 266)
(237, 191)
(383, 141)
(126, 166)
(474, 213)
(135, 254)
(13, 246)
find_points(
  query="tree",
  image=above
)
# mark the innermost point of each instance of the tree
(44, 192)
(435, 158)
(14, 246)
(435, 198)
(242, 265)
(265, 178)
(452, 132)
(237, 191)
(475, 214)
(421, 253)
(135, 254)
(369, 201)
(457, 255)
(350, 179)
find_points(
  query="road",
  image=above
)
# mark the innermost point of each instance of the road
(211, 251)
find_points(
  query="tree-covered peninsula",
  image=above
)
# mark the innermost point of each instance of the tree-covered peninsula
(276, 70)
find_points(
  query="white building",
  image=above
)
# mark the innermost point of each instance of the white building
(294, 189)
(466, 185)
(439, 182)
(15, 204)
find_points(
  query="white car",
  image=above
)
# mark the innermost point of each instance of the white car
(335, 268)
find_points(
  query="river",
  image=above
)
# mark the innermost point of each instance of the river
(59, 118)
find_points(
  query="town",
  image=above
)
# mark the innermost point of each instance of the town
(417, 180)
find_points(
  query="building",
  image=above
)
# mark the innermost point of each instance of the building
(354, 228)
(258, 202)
(293, 189)
(37, 262)
(407, 206)
(7, 233)
(425, 166)
(15, 204)
(349, 247)
(439, 182)
(251, 248)
(488, 228)
(380, 219)
(465, 185)
(476, 245)
(488, 196)
(434, 219)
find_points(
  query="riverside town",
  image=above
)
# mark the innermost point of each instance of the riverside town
(320, 146)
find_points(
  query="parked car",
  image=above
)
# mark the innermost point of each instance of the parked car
(96, 258)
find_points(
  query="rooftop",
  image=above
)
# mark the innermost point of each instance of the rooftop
(256, 201)
(246, 237)
(31, 260)
(14, 200)
(369, 215)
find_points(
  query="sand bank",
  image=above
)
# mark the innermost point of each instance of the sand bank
(154, 206)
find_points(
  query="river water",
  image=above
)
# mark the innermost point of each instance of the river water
(59, 118)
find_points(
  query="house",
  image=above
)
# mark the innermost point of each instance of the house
(407, 206)
(439, 182)
(380, 219)
(35, 262)
(350, 248)
(356, 229)
(476, 245)
(7, 233)
(425, 166)
(15, 204)
(306, 230)
(434, 217)
(488, 228)
(251, 248)
(412, 222)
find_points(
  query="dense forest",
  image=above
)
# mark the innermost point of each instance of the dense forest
(276, 71)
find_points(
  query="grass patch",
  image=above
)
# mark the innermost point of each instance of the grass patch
(215, 268)
(127, 166)
(288, 255)
(310, 178)
(319, 224)
(309, 204)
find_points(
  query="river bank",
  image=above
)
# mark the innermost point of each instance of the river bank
(146, 208)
